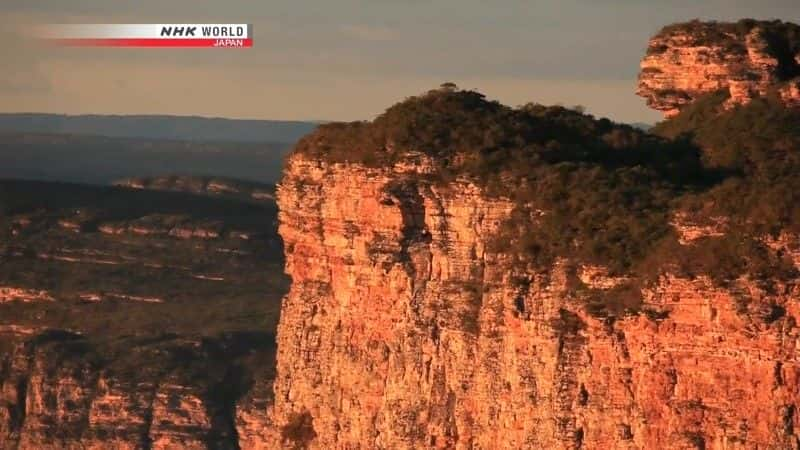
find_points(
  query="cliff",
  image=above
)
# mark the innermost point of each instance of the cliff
(136, 340)
(58, 392)
(422, 315)
(747, 59)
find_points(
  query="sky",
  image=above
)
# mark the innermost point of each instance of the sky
(350, 59)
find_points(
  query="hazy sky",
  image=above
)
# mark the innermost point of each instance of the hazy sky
(350, 59)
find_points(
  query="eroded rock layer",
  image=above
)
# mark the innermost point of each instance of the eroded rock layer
(55, 394)
(748, 58)
(403, 329)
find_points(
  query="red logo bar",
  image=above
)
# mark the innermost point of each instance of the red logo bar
(164, 43)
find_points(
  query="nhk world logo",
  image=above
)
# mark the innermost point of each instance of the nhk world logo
(150, 35)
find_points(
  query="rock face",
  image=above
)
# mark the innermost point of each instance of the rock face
(9, 293)
(747, 59)
(403, 330)
(54, 396)
(215, 186)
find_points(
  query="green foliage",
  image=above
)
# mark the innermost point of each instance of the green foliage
(758, 146)
(693, 116)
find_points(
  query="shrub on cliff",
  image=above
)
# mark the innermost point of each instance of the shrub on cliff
(758, 146)
(757, 149)
(299, 431)
(567, 324)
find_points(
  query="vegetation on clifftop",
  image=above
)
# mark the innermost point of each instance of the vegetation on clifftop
(784, 36)
(606, 188)
(597, 192)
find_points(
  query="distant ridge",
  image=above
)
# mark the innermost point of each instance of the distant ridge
(159, 127)
(93, 159)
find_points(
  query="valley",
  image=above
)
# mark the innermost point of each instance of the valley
(176, 293)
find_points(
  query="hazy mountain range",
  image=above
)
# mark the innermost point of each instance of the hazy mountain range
(158, 127)
(99, 149)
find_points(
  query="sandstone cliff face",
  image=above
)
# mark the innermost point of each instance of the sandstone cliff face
(53, 395)
(403, 330)
(747, 59)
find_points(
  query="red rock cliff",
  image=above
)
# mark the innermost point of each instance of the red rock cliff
(54, 396)
(403, 330)
(748, 59)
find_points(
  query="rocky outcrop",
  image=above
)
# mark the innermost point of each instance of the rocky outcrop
(11, 293)
(253, 424)
(181, 227)
(689, 230)
(215, 186)
(747, 59)
(158, 338)
(790, 93)
(56, 394)
(403, 329)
